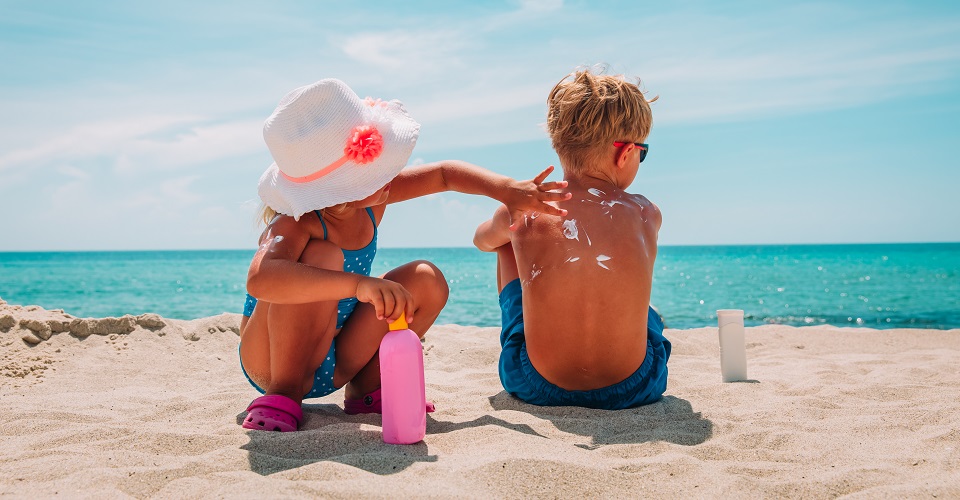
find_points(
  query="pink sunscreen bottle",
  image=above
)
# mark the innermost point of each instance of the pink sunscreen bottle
(402, 391)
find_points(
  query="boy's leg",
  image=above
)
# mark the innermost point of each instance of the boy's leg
(512, 338)
(359, 340)
(282, 344)
(506, 266)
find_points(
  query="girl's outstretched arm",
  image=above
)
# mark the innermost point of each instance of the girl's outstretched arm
(454, 175)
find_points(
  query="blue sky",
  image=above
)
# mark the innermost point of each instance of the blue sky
(135, 125)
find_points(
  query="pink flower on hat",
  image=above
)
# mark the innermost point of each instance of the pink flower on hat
(364, 145)
(373, 103)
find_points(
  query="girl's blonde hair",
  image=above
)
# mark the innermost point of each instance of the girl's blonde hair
(586, 112)
(265, 215)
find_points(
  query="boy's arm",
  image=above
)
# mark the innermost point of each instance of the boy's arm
(454, 175)
(494, 233)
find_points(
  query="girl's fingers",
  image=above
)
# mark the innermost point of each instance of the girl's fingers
(410, 308)
(402, 304)
(550, 186)
(377, 302)
(555, 196)
(389, 304)
(543, 175)
(552, 210)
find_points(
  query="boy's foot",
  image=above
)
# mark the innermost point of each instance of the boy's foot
(371, 403)
(273, 413)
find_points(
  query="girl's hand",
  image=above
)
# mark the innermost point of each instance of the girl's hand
(389, 298)
(532, 196)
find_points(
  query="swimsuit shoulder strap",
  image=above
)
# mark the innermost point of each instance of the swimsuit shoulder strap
(324, 224)
(372, 219)
(369, 212)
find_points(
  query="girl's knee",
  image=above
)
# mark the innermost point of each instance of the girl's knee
(322, 254)
(436, 279)
(424, 280)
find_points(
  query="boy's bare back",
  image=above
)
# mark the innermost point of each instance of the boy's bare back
(586, 282)
(577, 328)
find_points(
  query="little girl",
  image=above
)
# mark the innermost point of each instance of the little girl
(314, 317)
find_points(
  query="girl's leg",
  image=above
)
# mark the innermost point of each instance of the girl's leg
(359, 340)
(281, 345)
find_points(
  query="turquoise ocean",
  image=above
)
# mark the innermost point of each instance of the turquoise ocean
(875, 286)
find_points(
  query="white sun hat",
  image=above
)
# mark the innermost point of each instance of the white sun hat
(331, 147)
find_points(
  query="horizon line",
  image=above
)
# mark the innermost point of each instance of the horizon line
(690, 245)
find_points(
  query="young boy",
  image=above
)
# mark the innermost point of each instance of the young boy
(578, 329)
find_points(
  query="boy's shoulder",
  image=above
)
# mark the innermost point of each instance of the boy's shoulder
(650, 210)
(646, 202)
(594, 215)
(617, 203)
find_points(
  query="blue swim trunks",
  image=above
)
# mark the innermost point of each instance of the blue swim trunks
(521, 379)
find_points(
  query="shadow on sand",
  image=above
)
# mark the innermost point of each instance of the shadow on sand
(328, 434)
(671, 420)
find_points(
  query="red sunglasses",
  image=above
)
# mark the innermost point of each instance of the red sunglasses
(641, 146)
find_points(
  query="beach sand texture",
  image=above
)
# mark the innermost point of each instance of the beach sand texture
(150, 407)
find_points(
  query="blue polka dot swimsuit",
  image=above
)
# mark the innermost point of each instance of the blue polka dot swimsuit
(354, 261)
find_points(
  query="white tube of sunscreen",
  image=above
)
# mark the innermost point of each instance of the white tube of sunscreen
(733, 350)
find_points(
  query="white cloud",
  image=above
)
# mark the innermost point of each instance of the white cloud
(477, 100)
(197, 145)
(540, 5)
(73, 172)
(143, 143)
(90, 139)
(731, 87)
(416, 52)
(765, 65)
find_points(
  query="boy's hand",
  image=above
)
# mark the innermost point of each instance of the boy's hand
(532, 196)
(389, 298)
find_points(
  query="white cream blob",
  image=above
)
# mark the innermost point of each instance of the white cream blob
(271, 242)
(570, 231)
(601, 259)
(529, 217)
(534, 272)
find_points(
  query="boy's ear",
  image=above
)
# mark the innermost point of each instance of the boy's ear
(622, 153)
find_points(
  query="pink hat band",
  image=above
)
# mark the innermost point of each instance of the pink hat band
(363, 146)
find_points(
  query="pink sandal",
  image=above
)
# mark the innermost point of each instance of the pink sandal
(273, 413)
(371, 403)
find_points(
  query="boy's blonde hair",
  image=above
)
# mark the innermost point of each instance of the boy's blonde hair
(587, 112)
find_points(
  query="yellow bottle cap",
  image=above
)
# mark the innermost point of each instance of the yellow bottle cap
(399, 324)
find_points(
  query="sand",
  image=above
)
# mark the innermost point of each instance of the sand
(143, 406)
